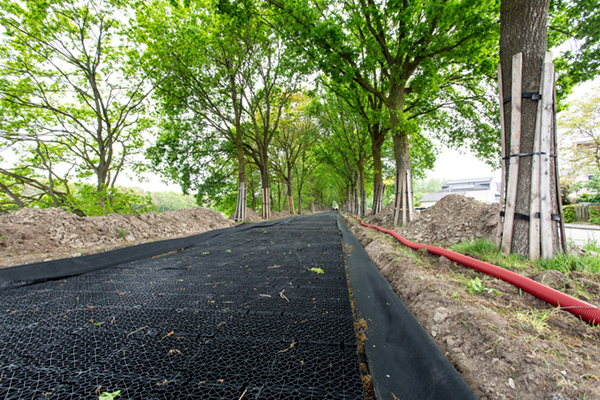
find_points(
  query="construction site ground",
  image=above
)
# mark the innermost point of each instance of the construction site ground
(505, 343)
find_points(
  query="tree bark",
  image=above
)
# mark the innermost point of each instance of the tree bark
(266, 195)
(240, 212)
(523, 28)
(290, 194)
(363, 189)
(299, 200)
(401, 149)
(402, 157)
(376, 144)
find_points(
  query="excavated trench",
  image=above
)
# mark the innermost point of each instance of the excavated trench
(260, 311)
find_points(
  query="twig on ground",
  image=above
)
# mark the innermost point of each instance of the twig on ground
(137, 330)
(283, 295)
(84, 309)
(291, 347)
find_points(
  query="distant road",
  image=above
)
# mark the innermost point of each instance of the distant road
(582, 233)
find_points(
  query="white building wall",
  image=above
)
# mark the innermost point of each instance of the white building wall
(485, 196)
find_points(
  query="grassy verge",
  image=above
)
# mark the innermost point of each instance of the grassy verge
(485, 250)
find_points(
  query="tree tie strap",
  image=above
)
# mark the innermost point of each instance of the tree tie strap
(529, 154)
(525, 95)
(554, 217)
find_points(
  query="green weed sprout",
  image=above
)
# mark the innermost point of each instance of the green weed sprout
(109, 396)
(317, 270)
(477, 286)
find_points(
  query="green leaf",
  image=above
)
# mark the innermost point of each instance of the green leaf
(109, 396)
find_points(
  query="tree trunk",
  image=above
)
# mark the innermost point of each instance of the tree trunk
(363, 190)
(253, 191)
(278, 196)
(356, 194)
(266, 193)
(523, 28)
(377, 176)
(402, 157)
(240, 211)
(290, 194)
(401, 153)
(299, 200)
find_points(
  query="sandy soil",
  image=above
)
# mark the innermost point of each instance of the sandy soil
(32, 235)
(506, 344)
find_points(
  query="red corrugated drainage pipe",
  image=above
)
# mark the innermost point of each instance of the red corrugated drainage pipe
(586, 311)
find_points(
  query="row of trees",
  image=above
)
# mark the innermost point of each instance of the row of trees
(316, 101)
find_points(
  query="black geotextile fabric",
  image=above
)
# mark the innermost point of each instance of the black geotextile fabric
(240, 315)
(402, 358)
(38, 272)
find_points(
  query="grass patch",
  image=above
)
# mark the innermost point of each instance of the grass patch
(486, 250)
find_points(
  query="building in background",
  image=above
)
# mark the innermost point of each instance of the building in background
(481, 189)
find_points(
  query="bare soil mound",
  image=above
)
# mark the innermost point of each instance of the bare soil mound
(453, 219)
(281, 214)
(383, 217)
(32, 235)
(251, 216)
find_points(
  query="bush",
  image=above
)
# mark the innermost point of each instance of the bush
(89, 201)
(569, 214)
(594, 215)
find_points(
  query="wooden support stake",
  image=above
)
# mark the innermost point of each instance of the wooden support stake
(503, 176)
(404, 197)
(534, 205)
(515, 147)
(397, 199)
(410, 195)
(563, 234)
(546, 136)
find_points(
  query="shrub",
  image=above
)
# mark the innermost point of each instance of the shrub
(594, 215)
(91, 202)
(569, 213)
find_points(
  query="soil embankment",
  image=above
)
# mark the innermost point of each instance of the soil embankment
(33, 235)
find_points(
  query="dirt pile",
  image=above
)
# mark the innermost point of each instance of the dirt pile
(453, 219)
(280, 214)
(31, 235)
(383, 217)
(251, 216)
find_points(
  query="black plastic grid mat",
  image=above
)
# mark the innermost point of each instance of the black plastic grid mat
(249, 313)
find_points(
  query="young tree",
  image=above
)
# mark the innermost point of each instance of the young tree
(70, 90)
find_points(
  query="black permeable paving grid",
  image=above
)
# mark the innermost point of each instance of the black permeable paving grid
(241, 315)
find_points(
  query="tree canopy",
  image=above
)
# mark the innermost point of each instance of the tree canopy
(242, 103)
